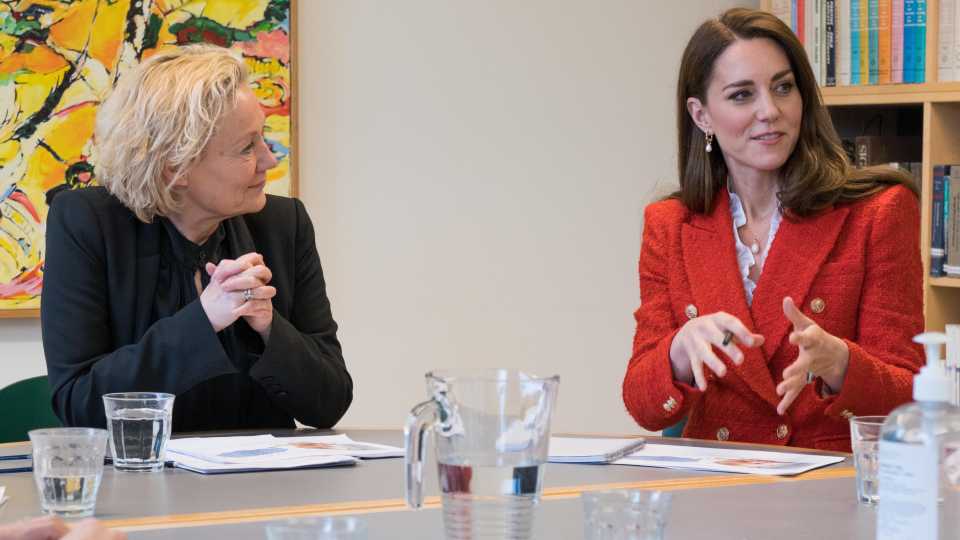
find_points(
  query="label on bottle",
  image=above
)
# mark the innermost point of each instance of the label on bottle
(908, 492)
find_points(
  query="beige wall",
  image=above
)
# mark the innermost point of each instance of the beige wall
(476, 172)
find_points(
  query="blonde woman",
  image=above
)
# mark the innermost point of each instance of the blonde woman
(181, 275)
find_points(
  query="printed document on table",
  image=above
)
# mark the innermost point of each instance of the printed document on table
(726, 460)
(591, 450)
(269, 449)
(203, 466)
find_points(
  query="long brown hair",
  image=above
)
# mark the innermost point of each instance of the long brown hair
(816, 175)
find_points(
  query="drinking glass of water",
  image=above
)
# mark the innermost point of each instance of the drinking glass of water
(491, 429)
(67, 466)
(139, 425)
(865, 439)
(325, 528)
(625, 514)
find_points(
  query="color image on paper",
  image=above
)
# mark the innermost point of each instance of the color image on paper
(59, 60)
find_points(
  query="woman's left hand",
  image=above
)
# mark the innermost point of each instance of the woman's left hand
(821, 353)
(258, 308)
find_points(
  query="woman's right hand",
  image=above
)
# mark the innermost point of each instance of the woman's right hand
(692, 347)
(218, 302)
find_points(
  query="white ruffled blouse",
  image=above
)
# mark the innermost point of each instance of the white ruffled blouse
(745, 257)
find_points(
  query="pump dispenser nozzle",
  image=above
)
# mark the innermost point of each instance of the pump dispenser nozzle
(932, 383)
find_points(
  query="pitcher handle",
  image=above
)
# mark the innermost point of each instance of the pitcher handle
(419, 422)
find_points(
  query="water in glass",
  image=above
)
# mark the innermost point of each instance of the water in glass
(138, 438)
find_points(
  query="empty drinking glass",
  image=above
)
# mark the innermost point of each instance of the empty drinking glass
(491, 430)
(865, 438)
(326, 528)
(625, 514)
(139, 425)
(67, 466)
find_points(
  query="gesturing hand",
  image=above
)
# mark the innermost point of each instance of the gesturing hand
(692, 346)
(234, 280)
(821, 353)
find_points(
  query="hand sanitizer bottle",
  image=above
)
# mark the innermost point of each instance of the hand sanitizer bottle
(919, 466)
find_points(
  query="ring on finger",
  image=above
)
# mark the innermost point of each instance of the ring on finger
(810, 377)
(247, 295)
(727, 337)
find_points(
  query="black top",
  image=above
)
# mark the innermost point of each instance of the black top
(120, 312)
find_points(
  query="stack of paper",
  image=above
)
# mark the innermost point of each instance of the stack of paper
(727, 460)
(591, 450)
(3, 496)
(210, 455)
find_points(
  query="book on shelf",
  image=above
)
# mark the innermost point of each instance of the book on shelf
(863, 24)
(873, 41)
(814, 38)
(896, 42)
(945, 40)
(920, 35)
(830, 43)
(842, 49)
(952, 227)
(883, 41)
(879, 149)
(909, 43)
(781, 8)
(941, 177)
(855, 42)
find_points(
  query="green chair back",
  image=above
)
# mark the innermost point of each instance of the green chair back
(25, 405)
(675, 430)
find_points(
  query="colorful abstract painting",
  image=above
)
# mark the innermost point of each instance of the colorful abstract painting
(60, 59)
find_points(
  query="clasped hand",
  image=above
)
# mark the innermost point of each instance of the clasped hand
(224, 299)
(821, 353)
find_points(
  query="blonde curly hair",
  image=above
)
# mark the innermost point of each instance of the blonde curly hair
(157, 121)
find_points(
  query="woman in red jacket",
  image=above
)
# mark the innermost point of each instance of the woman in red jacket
(776, 265)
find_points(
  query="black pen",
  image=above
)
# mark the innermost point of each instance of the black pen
(14, 457)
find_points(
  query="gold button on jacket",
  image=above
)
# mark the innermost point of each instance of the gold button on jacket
(782, 431)
(817, 305)
(670, 404)
(723, 434)
(691, 311)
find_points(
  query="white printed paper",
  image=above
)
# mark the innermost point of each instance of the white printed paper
(262, 452)
(202, 466)
(727, 460)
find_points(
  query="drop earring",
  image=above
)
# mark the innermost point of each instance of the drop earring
(709, 147)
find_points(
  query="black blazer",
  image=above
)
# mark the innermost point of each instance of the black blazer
(99, 336)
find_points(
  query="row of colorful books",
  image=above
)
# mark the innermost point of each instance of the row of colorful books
(859, 42)
(945, 215)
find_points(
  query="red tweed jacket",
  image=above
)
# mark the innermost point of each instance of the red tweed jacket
(854, 269)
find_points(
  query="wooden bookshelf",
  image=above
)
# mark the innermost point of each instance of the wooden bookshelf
(940, 132)
(891, 94)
